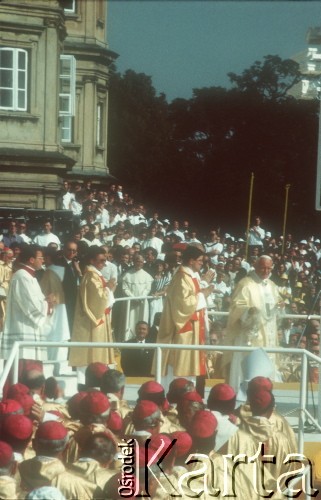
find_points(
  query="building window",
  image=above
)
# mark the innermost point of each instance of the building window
(100, 110)
(67, 95)
(311, 66)
(305, 86)
(69, 6)
(66, 127)
(314, 54)
(13, 79)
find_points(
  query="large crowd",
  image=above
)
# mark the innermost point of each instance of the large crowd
(75, 448)
(143, 250)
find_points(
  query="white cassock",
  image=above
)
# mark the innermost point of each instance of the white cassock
(154, 242)
(56, 328)
(135, 284)
(26, 316)
(256, 330)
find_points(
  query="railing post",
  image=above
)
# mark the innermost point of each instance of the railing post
(158, 374)
(303, 399)
(15, 375)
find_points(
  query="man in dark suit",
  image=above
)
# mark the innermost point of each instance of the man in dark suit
(138, 362)
(71, 278)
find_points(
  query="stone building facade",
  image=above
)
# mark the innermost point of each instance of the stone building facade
(54, 67)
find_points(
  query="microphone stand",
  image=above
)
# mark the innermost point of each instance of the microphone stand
(309, 316)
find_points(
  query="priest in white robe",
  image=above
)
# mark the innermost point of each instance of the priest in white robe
(56, 329)
(135, 283)
(28, 309)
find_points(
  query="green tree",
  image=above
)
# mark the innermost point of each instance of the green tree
(193, 157)
(271, 78)
(139, 132)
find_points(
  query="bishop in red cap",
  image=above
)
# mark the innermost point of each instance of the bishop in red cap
(222, 398)
(203, 429)
(47, 467)
(6, 454)
(17, 430)
(10, 407)
(261, 403)
(153, 391)
(190, 403)
(94, 373)
(147, 416)
(258, 383)
(94, 408)
(183, 443)
(178, 387)
(73, 404)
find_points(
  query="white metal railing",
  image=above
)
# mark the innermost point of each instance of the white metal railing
(210, 310)
(213, 311)
(13, 360)
(142, 297)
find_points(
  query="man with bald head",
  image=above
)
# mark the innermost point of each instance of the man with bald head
(253, 315)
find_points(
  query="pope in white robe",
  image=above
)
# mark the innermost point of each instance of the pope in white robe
(253, 316)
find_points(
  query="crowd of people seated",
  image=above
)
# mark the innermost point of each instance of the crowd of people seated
(95, 445)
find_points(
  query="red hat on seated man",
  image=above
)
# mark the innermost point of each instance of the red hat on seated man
(203, 425)
(95, 402)
(153, 391)
(16, 428)
(94, 373)
(17, 389)
(183, 444)
(94, 408)
(258, 383)
(26, 401)
(6, 454)
(9, 407)
(144, 408)
(222, 398)
(261, 403)
(73, 404)
(178, 387)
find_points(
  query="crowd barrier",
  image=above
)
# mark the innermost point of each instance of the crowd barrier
(12, 364)
(13, 361)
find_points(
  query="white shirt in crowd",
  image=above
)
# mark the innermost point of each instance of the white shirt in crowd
(44, 239)
(256, 236)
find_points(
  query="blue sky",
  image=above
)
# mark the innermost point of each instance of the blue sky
(192, 44)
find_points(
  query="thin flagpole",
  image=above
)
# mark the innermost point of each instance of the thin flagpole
(249, 214)
(287, 187)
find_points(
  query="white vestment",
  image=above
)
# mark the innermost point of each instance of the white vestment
(154, 242)
(26, 315)
(247, 327)
(45, 238)
(56, 328)
(135, 284)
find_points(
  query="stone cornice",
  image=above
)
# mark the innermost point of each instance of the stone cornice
(92, 52)
(26, 28)
(34, 160)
